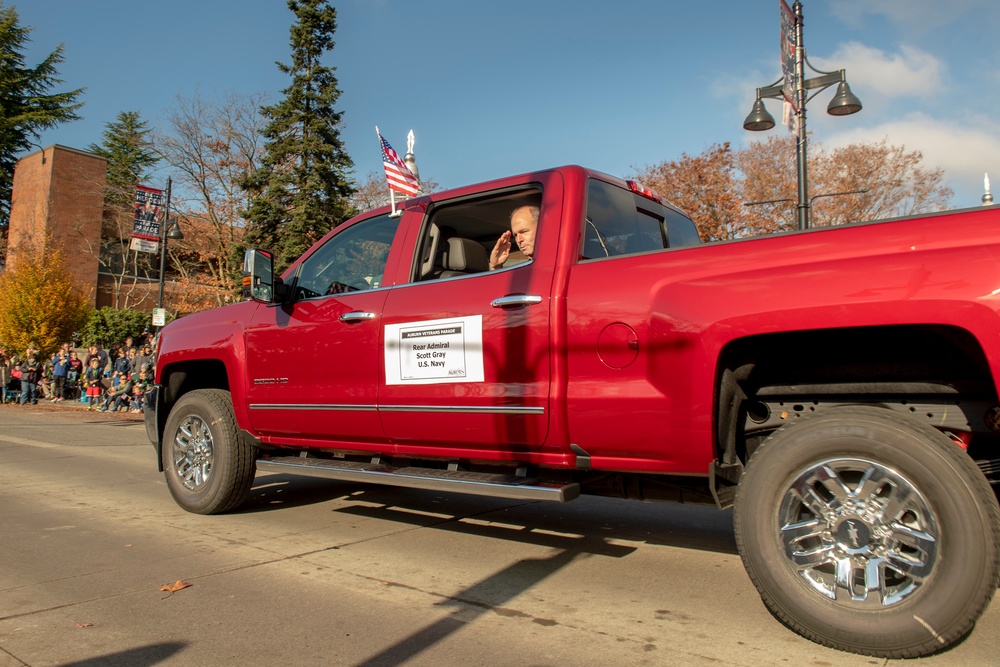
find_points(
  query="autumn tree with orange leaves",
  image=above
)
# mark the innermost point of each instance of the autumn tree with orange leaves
(40, 302)
(715, 186)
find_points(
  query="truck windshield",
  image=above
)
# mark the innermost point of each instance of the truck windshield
(350, 261)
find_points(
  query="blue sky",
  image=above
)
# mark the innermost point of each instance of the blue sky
(496, 88)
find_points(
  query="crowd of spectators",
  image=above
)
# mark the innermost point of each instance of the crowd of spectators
(114, 380)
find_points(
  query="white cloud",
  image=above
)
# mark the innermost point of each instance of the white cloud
(965, 151)
(909, 72)
(911, 16)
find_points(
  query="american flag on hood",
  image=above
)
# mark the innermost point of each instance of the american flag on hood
(397, 174)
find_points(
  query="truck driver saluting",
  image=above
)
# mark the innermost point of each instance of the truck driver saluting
(523, 224)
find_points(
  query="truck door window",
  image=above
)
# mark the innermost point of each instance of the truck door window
(458, 238)
(620, 222)
(350, 261)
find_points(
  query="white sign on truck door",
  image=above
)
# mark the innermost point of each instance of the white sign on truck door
(434, 351)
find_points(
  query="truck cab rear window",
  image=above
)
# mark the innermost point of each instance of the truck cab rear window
(620, 222)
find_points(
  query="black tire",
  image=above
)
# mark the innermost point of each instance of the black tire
(208, 467)
(849, 498)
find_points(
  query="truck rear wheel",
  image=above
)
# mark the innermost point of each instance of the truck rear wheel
(208, 468)
(870, 532)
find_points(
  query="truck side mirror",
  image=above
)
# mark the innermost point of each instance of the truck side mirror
(259, 281)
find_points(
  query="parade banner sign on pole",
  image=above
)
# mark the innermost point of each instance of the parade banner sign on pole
(148, 218)
(789, 45)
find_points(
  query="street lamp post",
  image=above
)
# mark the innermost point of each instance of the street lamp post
(40, 149)
(174, 232)
(843, 103)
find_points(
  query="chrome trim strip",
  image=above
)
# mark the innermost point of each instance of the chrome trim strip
(470, 409)
(312, 406)
(450, 409)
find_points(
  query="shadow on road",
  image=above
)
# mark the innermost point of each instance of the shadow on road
(584, 525)
(273, 492)
(144, 656)
(490, 594)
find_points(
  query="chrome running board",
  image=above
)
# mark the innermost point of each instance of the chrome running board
(457, 481)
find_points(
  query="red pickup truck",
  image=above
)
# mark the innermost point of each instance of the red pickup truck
(837, 387)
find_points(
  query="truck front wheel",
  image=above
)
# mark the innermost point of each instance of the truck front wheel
(208, 468)
(869, 532)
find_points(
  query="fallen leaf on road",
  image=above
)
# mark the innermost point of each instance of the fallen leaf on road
(174, 587)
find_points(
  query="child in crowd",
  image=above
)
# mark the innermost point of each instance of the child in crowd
(122, 367)
(73, 375)
(139, 390)
(45, 384)
(31, 373)
(92, 381)
(60, 369)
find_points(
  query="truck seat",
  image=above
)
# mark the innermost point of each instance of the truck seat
(461, 256)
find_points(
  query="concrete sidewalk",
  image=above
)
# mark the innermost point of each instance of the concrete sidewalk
(72, 406)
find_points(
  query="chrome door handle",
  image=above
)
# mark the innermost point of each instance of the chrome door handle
(357, 316)
(516, 300)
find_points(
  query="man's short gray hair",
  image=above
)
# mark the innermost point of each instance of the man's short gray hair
(535, 211)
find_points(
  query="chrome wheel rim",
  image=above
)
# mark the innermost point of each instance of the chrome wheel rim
(193, 453)
(858, 533)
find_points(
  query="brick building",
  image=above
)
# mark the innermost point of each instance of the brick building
(59, 191)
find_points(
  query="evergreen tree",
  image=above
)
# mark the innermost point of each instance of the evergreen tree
(26, 106)
(128, 148)
(302, 187)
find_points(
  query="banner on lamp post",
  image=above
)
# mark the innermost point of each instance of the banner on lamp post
(147, 219)
(788, 45)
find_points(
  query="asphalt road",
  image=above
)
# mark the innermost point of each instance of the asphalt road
(318, 573)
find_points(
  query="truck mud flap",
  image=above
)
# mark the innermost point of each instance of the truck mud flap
(456, 481)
